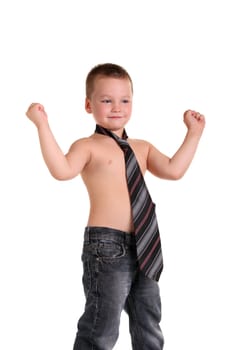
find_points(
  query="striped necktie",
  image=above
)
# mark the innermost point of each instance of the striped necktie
(148, 244)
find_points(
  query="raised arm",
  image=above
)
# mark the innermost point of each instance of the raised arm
(175, 167)
(61, 166)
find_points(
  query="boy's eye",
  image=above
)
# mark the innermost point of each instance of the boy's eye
(106, 100)
(125, 101)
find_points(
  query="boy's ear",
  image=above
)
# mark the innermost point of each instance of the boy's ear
(88, 105)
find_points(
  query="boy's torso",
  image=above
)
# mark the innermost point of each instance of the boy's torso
(105, 179)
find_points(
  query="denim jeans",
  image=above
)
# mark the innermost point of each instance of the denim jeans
(113, 283)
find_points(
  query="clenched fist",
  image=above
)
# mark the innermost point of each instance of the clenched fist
(36, 113)
(194, 121)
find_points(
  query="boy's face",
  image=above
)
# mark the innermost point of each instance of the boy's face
(110, 102)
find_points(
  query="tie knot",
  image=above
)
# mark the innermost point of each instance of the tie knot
(122, 141)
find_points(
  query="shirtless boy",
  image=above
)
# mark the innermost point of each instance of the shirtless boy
(112, 280)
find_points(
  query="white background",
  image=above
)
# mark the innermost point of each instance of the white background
(179, 54)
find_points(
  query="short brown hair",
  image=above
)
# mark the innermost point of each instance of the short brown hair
(105, 70)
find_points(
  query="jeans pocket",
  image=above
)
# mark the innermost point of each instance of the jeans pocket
(110, 250)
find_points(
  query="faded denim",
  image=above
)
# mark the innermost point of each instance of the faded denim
(112, 283)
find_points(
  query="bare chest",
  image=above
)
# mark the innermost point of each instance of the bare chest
(111, 160)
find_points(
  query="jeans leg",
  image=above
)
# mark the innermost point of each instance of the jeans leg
(143, 306)
(109, 268)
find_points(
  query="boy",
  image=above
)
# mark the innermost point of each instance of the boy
(112, 279)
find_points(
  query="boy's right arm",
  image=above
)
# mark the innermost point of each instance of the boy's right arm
(61, 166)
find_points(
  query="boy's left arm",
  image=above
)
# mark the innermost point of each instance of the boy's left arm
(175, 167)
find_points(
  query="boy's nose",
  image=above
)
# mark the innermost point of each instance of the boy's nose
(116, 107)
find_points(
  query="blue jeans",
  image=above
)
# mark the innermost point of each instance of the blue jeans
(112, 283)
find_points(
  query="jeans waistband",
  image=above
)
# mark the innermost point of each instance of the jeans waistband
(99, 232)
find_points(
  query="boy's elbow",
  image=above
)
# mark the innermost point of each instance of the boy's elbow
(176, 175)
(61, 176)
(58, 177)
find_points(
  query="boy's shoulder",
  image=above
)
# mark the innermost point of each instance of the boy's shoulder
(138, 142)
(82, 142)
(90, 141)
